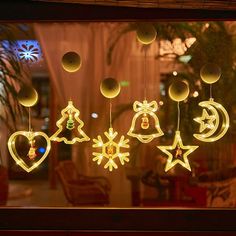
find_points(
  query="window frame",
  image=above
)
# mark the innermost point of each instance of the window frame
(119, 219)
(112, 219)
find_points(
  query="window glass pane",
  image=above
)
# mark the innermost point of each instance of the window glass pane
(67, 62)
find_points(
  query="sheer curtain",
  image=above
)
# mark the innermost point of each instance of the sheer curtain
(91, 41)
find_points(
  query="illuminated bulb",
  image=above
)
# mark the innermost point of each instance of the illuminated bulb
(18, 162)
(145, 122)
(100, 144)
(175, 73)
(161, 103)
(210, 126)
(195, 94)
(35, 165)
(94, 115)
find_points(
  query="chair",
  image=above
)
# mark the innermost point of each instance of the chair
(80, 189)
(220, 187)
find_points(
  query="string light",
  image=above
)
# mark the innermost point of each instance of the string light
(32, 153)
(110, 150)
(145, 110)
(209, 130)
(181, 153)
(178, 153)
(34, 156)
(71, 115)
(214, 121)
(146, 131)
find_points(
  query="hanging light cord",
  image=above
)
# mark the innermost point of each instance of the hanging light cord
(145, 76)
(178, 121)
(211, 91)
(29, 119)
(110, 114)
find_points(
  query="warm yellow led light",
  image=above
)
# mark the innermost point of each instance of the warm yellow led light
(30, 135)
(181, 153)
(145, 110)
(206, 121)
(209, 124)
(32, 151)
(70, 114)
(110, 150)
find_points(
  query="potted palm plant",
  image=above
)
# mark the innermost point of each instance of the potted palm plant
(12, 76)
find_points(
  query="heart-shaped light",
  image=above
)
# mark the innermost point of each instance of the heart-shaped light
(30, 136)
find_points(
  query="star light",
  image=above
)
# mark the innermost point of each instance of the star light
(181, 153)
(206, 121)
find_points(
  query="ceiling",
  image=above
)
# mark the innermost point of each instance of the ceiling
(170, 4)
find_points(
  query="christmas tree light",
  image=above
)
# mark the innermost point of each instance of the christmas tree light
(67, 131)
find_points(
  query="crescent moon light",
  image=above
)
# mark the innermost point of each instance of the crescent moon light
(210, 129)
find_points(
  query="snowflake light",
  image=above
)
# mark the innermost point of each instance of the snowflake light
(110, 150)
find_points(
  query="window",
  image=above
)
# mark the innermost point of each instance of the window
(138, 184)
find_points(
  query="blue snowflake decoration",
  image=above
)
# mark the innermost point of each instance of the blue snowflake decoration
(28, 50)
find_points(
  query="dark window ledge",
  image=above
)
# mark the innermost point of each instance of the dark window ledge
(51, 11)
(118, 219)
